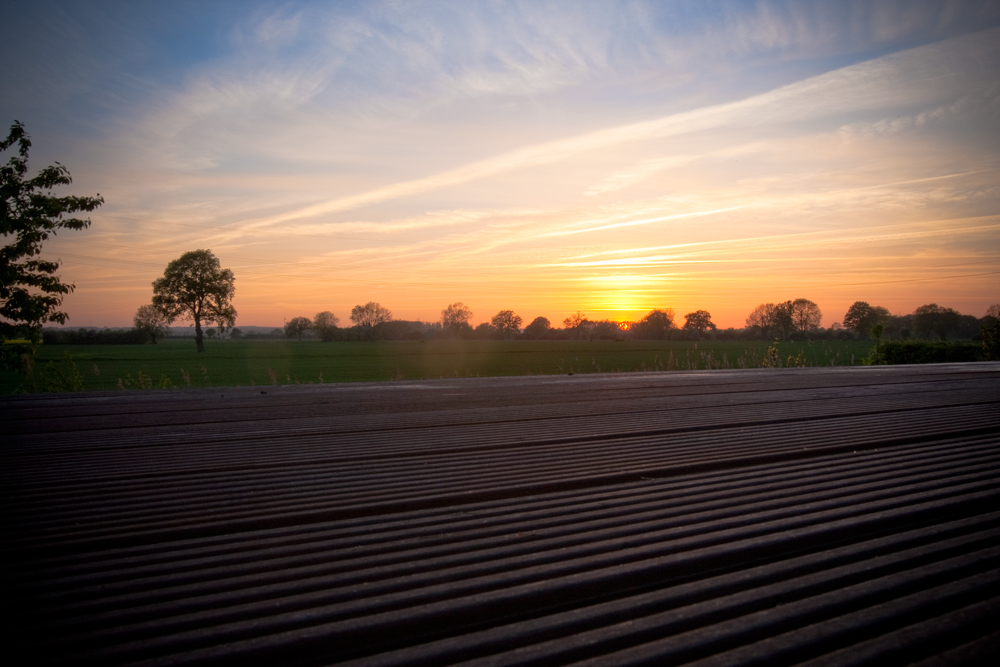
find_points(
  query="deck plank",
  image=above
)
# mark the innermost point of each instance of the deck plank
(831, 516)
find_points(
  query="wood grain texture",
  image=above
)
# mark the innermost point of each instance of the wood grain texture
(785, 516)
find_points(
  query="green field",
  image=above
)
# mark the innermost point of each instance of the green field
(174, 363)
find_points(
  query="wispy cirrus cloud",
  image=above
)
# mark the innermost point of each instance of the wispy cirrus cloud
(391, 145)
(986, 99)
(886, 81)
(783, 242)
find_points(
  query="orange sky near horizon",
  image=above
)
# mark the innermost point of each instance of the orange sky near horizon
(615, 163)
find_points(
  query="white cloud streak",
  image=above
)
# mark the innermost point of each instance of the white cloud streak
(883, 82)
(781, 242)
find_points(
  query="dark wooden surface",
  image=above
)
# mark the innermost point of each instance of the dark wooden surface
(821, 516)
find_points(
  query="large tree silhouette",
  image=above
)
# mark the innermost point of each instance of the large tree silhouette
(507, 323)
(656, 324)
(149, 320)
(195, 287)
(297, 326)
(370, 314)
(862, 316)
(325, 324)
(700, 321)
(455, 318)
(30, 292)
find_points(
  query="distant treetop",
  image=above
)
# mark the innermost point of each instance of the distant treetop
(370, 314)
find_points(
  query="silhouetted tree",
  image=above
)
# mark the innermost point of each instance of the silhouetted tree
(933, 318)
(782, 318)
(761, 319)
(875, 357)
(485, 331)
(538, 327)
(195, 287)
(656, 324)
(577, 325)
(806, 315)
(236, 333)
(454, 316)
(30, 293)
(858, 317)
(506, 323)
(699, 321)
(325, 324)
(991, 333)
(604, 330)
(773, 319)
(151, 322)
(895, 326)
(862, 316)
(297, 326)
(370, 314)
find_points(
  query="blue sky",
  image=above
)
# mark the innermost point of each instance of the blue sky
(545, 157)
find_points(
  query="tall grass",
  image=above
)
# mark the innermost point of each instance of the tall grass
(174, 363)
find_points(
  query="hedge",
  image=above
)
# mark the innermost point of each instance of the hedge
(930, 352)
(94, 337)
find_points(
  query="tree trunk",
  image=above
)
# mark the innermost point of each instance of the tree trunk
(197, 334)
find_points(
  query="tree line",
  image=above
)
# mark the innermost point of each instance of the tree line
(797, 319)
(929, 322)
(372, 321)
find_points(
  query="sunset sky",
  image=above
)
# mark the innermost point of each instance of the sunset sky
(608, 157)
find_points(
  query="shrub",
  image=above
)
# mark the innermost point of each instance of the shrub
(64, 377)
(928, 352)
(95, 337)
(395, 330)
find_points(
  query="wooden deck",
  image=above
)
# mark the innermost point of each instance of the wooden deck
(827, 516)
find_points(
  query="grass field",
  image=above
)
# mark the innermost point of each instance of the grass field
(174, 363)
